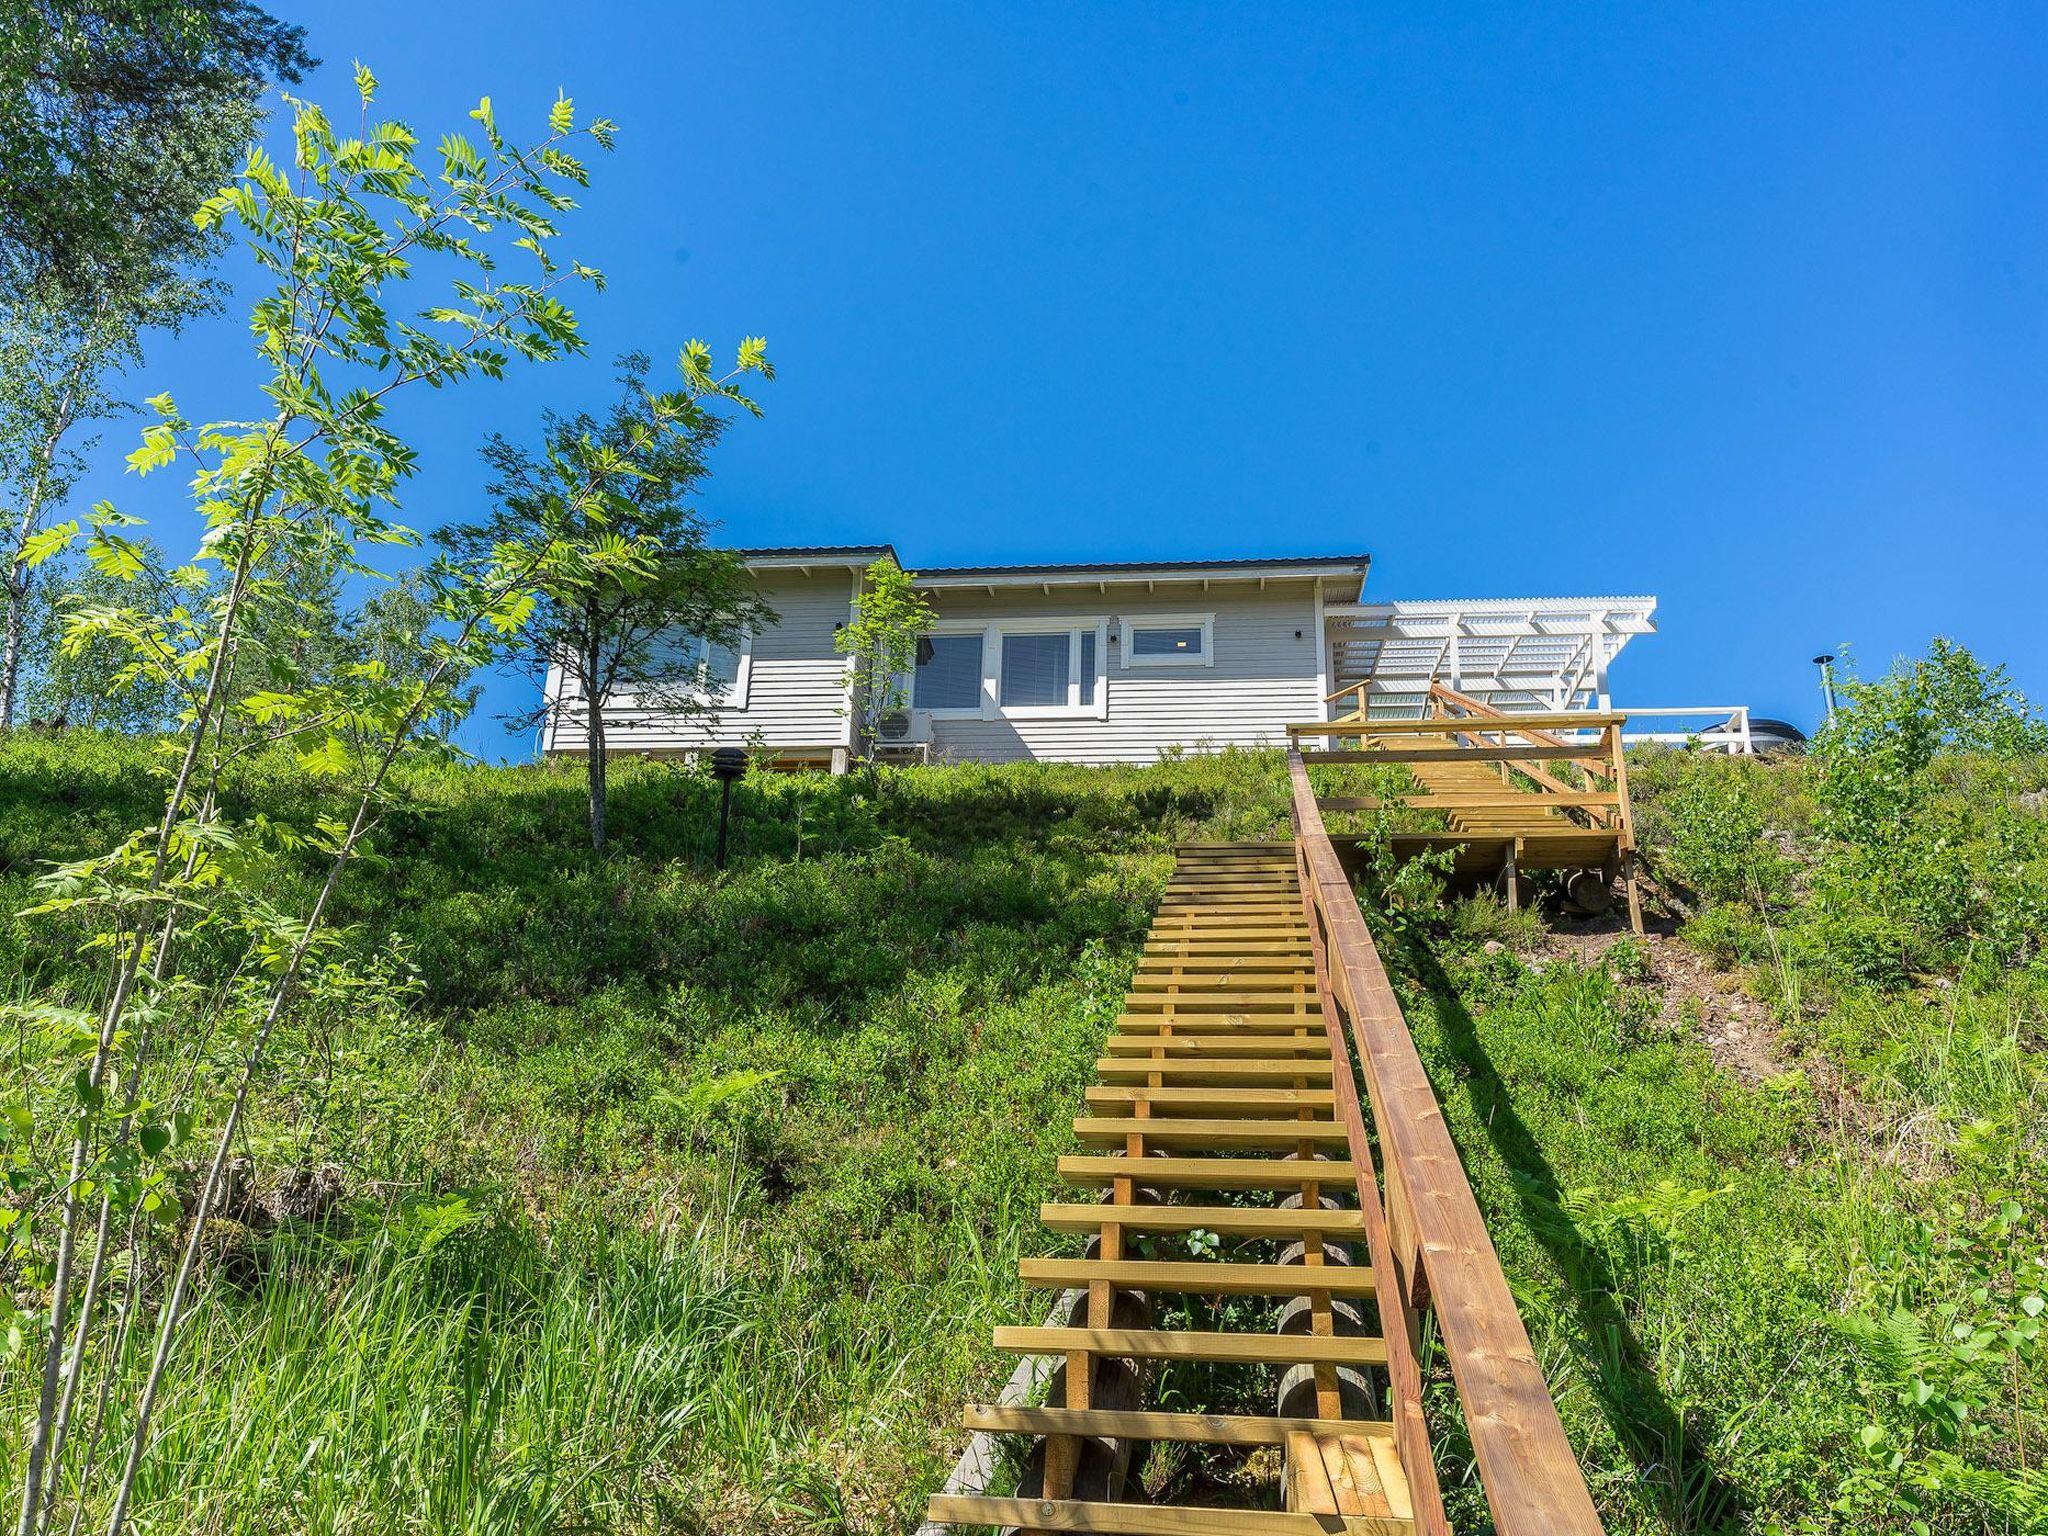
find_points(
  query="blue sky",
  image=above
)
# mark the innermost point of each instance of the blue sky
(1740, 306)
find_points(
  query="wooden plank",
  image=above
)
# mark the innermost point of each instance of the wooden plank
(1208, 1278)
(1200, 1133)
(1223, 1220)
(1354, 1476)
(1242, 1021)
(1188, 1428)
(1150, 1520)
(1308, 1480)
(1462, 800)
(1569, 720)
(1209, 1172)
(1252, 1071)
(1223, 1097)
(1218, 1348)
(1235, 980)
(1447, 755)
(1224, 1000)
(1393, 1476)
(1309, 1042)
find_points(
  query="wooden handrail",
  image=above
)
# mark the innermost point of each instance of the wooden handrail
(1455, 725)
(1436, 1247)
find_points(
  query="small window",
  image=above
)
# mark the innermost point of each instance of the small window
(948, 673)
(1087, 678)
(1165, 642)
(1035, 670)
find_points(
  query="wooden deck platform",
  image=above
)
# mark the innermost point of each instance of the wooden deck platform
(1513, 793)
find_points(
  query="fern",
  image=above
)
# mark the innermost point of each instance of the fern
(1898, 1346)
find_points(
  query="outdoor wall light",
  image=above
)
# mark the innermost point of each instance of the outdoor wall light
(727, 765)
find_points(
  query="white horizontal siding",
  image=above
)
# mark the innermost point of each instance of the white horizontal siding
(796, 684)
(1264, 677)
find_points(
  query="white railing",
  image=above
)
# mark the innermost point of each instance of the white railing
(1723, 728)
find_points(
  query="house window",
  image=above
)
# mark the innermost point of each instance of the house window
(948, 673)
(708, 670)
(1170, 640)
(1036, 671)
(1019, 668)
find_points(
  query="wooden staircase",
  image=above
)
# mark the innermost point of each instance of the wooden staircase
(1217, 1098)
(1228, 1109)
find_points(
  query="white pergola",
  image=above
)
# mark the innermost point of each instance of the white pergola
(1511, 653)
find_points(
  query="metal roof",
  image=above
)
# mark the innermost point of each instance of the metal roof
(1230, 569)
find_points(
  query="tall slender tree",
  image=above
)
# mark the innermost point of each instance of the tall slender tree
(117, 119)
(666, 625)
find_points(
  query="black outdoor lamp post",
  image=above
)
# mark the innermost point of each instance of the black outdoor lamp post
(727, 764)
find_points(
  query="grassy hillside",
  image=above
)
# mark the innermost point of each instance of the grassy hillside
(633, 1197)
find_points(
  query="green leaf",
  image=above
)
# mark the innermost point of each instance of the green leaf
(561, 116)
(90, 1094)
(51, 541)
(155, 1139)
(366, 83)
(117, 557)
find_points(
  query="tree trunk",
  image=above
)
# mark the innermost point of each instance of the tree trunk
(593, 703)
(18, 573)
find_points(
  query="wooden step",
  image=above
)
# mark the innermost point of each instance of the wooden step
(1187, 1428)
(1244, 979)
(1217, 1348)
(1200, 1279)
(1172, 1022)
(1097, 1519)
(1218, 1000)
(1198, 1133)
(1227, 1099)
(1211, 1172)
(1228, 951)
(1253, 1070)
(1314, 1042)
(1209, 969)
(1223, 1220)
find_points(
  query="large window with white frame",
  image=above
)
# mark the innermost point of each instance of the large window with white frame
(1016, 669)
(1170, 640)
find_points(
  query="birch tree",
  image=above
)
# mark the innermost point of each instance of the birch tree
(116, 118)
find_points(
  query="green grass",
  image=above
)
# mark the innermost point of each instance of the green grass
(687, 1201)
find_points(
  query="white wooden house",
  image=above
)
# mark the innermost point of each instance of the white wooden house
(1106, 662)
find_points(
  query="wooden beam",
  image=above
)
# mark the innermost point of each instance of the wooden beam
(1188, 1428)
(1217, 1348)
(1207, 1278)
(1093, 1519)
(1447, 755)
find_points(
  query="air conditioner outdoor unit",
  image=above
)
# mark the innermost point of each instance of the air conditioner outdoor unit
(904, 728)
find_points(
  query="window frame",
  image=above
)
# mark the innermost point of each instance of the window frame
(735, 695)
(992, 632)
(1205, 622)
(975, 711)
